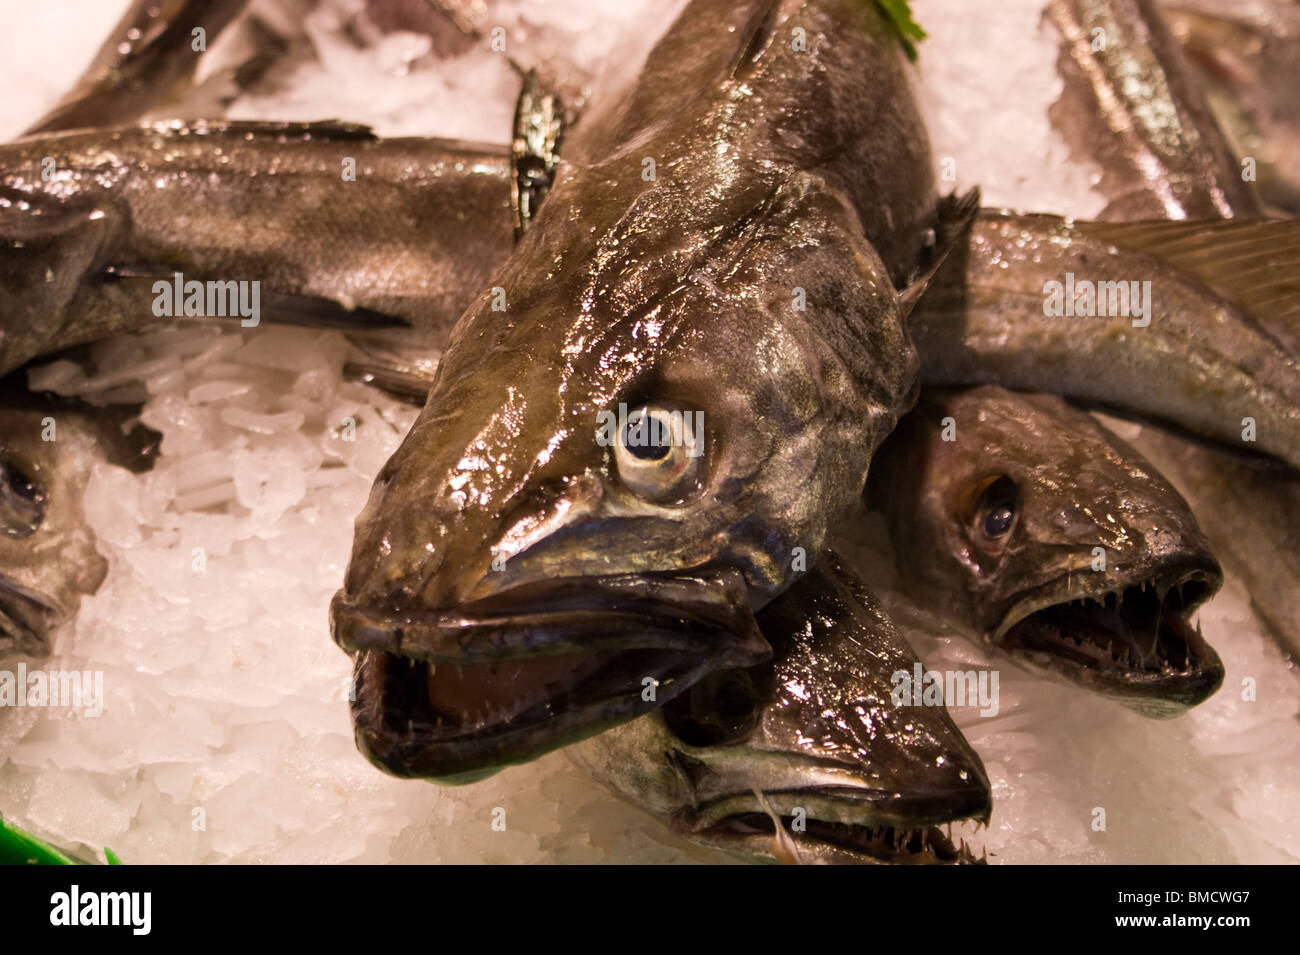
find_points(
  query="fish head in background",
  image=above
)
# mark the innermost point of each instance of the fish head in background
(610, 476)
(48, 560)
(1055, 540)
(812, 739)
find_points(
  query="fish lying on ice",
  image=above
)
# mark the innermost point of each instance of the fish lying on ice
(814, 737)
(48, 560)
(558, 531)
(313, 223)
(1185, 322)
(1055, 541)
(1133, 104)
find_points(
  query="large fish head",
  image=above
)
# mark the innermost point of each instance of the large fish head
(48, 559)
(612, 473)
(1058, 541)
(813, 739)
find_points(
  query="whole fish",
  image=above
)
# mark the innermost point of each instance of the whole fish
(1188, 322)
(48, 560)
(152, 49)
(812, 742)
(1162, 155)
(322, 224)
(1057, 542)
(1248, 58)
(677, 379)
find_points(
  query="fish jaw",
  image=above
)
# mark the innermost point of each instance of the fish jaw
(845, 828)
(453, 694)
(814, 737)
(1130, 638)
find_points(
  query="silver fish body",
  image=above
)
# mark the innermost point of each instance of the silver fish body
(154, 47)
(334, 226)
(1153, 337)
(1161, 152)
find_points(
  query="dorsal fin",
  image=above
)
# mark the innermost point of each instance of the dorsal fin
(1253, 263)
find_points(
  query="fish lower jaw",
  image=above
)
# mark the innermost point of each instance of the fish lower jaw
(1133, 641)
(456, 723)
(808, 839)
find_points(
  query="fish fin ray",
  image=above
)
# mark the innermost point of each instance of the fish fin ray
(956, 214)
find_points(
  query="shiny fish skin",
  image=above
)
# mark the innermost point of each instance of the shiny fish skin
(410, 239)
(1070, 487)
(1137, 108)
(146, 55)
(820, 731)
(1201, 363)
(780, 170)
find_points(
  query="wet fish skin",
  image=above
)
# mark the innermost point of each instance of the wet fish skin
(48, 560)
(405, 244)
(1202, 363)
(146, 55)
(660, 289)
(999, 528)
(815, 728)
(1161, 152)
(1248, 59)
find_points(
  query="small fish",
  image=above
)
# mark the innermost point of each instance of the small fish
(325, 223)
(1185, 322)
(811, 742)
(677, 379)
(1054, 540)
(1133, 104)
(149, 52)
(48, 560)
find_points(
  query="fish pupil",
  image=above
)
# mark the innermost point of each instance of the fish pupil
(998, 522)
(648, 439)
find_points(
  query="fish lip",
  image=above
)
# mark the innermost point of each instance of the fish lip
(828, 809)
(26, 620)
(702, 612)
(421, 750)
(1164, 692)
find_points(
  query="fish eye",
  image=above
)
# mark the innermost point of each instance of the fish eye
(659, 451)
(22, 500)
(994, 516)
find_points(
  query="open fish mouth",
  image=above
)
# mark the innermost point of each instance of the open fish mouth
(861, 829)
(1134, 640)
(456, 695)
(26, 620)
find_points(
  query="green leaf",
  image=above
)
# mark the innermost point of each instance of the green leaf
(111, 856)
(899, 14)
(19, 848)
